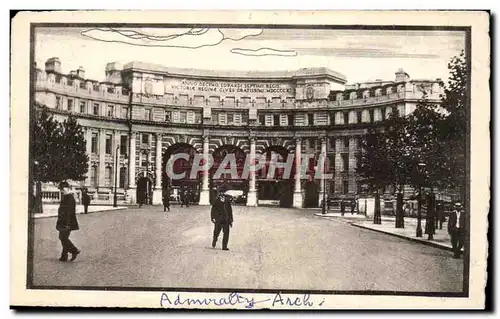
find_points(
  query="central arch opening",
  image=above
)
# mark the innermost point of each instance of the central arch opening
(275, 188)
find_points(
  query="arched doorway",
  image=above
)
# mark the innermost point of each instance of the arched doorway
(277, 187)
(228, 154)
(311, 185)
(144, 191)
(189, 185)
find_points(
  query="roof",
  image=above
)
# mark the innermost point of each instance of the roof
(304, 72)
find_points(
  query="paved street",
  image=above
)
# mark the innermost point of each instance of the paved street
(270, 248)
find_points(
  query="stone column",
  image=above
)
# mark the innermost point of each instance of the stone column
(131, 192)
(297, 193)
(102, 157)
(252, 191)
(322, 166)
(157, 192)
(205, 191)
(88, 133)
(116, 160)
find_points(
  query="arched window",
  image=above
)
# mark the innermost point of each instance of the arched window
(123, 176)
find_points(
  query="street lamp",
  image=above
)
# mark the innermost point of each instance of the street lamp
(420, 168)
(115, 198)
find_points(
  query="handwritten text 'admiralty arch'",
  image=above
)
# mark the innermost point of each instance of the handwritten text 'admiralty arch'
(231, 87)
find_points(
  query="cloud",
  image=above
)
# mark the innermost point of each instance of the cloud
(363, 53)
(193, 38)
(264, 52)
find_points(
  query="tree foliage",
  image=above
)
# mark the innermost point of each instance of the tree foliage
(58, 149)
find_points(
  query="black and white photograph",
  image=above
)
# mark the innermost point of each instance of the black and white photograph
(253, 164)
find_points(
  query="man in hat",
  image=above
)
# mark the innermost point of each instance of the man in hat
(67, 222)
(222, 217)
(85, 200)
(456, 229)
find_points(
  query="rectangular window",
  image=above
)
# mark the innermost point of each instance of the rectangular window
(345, 187)
(332, 144)
(222, 119)
(175, 116)
(290, 119)
(310, 119)
(358, 113)
(331, 163)
(96, 109)
(237, 119)
(190, 117)
(96, 87)
(83, 106)
(230, 118)
(111, 109)
(168, 115)
(276, 120)
(107, 176)
(345, 162)
(346, 142)
(262, 119)
(372, 116)
(147, 114)
(123, 176)
(108, 143)
(346, 118)
(123, 144)
(145, 138)
(70, 105)
(58, 102)
(124, 112)
(312, 142)
(332, 118)
(182, 117)
(144, 160)
(94, 143)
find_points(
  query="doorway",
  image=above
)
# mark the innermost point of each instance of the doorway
(144, 191)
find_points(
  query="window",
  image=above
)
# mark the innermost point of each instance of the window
(123, 144)
(345, 162)
(58, 102)
(358, 113)
(290, 119)
(332, 143)
(332, 118)
(147, 114)
(190, 117)
(124, 112)
(276, 120)
(230, 118)
(345, 187)
(108, 143)
(83, 106)
(372, 116)
(346, 118)
(96, 87)
(107, 176)
(312, 144)
(145, 138)
(182, 117)
(168, 115)
(262, 119)
(222, 119)
(93, 176)
(83, 85)
(94, 143)
(70, 105)
(310, 119)
(346, 141)
(95, 110)
(58, 78)
(144, 160)
(237, 119)
(331, 162)
(111, 109)
(123, 176)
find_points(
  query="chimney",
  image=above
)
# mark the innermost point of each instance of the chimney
(402, 76)
(80, 72)
(114, 72)
(53, 65)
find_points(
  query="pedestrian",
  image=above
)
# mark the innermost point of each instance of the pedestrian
(185, 198)
(353, 205)
(85, 200)
(222, 217)
(166, 200)
(456, 229)
(440, 215)
(342, 207)
(67, 222)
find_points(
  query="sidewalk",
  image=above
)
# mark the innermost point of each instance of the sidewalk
(50, 210)
(441, 236)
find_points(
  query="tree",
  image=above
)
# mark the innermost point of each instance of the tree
(58, 150)
(454, 128)
(373, 166)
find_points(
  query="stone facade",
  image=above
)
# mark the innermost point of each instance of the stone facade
(142, 111)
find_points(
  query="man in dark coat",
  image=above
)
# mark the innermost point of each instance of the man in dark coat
(85, 200)
(67, 222)
(456, 229)
(222, 217)
(166, 199)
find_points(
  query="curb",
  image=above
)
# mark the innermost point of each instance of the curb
(421, 241)
(96, 211)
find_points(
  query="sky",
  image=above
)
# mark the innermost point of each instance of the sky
(360, 55)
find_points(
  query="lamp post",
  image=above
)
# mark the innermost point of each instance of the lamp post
(115, 199)
(146, 152)
(420, 168)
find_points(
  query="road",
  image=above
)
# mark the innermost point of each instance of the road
(270, 248)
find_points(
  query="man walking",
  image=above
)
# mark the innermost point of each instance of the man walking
(85, 201)
(166, 199)
(222, 217)
(456, 229)
(67, 222)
